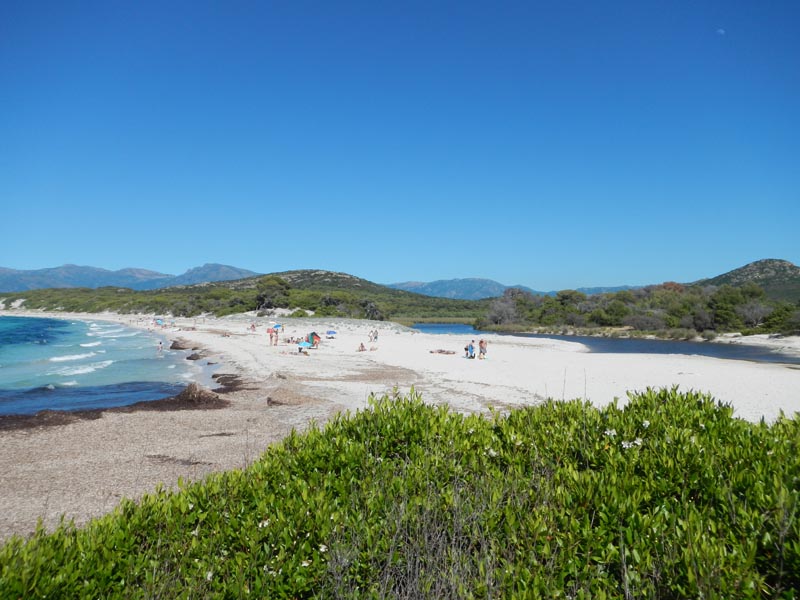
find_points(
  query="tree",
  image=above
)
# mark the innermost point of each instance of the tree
(502, 310)
(371, 311)
(753, 313)
(702, 320)
(273, 292)
(570, 297)
(644, 322)
(724, 302)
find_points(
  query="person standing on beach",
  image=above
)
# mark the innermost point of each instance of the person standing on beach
(482, 349)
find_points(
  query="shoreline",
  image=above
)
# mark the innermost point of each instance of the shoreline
(777, 342)
(82, 468)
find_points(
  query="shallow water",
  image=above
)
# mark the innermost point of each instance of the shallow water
(70, 365)
(635, 346)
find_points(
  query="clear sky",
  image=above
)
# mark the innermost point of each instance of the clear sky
(551, 144)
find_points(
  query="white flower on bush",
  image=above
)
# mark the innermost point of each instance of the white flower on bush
(636, 442)
(305, 563)
(209, 575)
(323, 548)
(263, 524)
(645, 423)
(491, 452)
(611, 432)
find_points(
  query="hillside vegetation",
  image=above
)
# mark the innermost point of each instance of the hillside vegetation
(323, 292)
(779, 279)
(668, 497)
(669, 309)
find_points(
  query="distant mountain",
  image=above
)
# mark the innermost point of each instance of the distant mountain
(70, 276)
(780, 279)
(461, 289)
(208, 273)
(478, 289)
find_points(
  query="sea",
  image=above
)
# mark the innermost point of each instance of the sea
(54, 364)
(635, 345)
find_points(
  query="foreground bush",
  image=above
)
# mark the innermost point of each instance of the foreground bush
(668, 497)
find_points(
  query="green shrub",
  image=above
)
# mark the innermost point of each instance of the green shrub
(669, 496)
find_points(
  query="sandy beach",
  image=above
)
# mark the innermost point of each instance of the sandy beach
(81, 469)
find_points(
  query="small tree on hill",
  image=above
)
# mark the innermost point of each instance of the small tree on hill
(753, 313)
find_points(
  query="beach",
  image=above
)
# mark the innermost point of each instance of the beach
(81, 468)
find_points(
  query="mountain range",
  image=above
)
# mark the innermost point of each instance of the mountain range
(69, 276)
(780, 279)
(478, 289)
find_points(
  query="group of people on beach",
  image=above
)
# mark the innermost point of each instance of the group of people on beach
(469, 349)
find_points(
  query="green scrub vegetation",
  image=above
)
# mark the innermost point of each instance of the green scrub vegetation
(668, 496)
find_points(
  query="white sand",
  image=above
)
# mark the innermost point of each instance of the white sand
(82, 469)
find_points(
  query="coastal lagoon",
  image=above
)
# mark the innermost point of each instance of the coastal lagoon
(54, 364)
(609, 345)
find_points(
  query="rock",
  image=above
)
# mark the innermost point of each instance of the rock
(194, 395)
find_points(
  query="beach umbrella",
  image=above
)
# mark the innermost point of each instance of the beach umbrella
(330, 332)
(159, 322)
(277, 326)
(305, 344)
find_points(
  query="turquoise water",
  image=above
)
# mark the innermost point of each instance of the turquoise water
(70, 365)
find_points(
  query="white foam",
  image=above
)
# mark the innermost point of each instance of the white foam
(84, 369)
(171, 367)
(69, 383)
(109, 332)
(91, 344)
(71, 357)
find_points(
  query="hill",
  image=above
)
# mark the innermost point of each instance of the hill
(75, 276)
(479, 289)
(323, 293)
(780, 279)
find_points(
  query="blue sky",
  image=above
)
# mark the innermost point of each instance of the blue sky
(552, 144)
